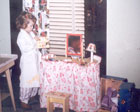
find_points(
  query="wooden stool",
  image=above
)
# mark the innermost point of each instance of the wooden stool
(57, 97)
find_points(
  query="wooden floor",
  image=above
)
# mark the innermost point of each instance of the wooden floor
(7, 104)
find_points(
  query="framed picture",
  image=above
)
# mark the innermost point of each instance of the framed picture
(74, 45)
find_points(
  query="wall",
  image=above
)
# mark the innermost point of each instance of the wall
(123, 39)
(5, 40)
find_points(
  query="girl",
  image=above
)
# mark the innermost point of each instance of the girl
(29, 64)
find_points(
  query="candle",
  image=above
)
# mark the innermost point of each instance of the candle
(91, 56)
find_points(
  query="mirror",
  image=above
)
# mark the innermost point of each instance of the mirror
(74, 44)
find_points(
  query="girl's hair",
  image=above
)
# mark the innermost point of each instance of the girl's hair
(23, 19)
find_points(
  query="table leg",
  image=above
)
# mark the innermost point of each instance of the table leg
(10, 88)
(0, 103)
(66, 105)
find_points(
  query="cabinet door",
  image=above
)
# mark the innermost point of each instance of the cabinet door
(95, 28)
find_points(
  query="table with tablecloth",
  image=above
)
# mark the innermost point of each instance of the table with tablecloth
(82, 82)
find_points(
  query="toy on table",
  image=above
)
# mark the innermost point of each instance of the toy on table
(92, 48)
(50, 57)
(43, 42)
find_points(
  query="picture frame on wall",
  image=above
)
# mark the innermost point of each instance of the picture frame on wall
(74, 45)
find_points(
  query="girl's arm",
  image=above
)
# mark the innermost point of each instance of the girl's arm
(34, 36)
(25, 45)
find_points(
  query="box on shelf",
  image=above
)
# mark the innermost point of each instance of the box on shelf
(124, 89)
(110, 81)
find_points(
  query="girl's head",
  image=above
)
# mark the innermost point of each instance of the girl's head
(25, 21)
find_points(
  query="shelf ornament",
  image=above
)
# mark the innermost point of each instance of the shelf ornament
(92, 49)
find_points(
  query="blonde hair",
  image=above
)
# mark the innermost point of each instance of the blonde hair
(23, 20)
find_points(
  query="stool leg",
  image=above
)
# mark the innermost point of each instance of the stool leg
(10, 88)
(49, 105)
(66, 105)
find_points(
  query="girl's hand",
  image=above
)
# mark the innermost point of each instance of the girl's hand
(36, 38)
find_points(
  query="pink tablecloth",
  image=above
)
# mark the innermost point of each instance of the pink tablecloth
(81, 81)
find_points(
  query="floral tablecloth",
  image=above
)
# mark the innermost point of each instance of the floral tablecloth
(82, 82)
